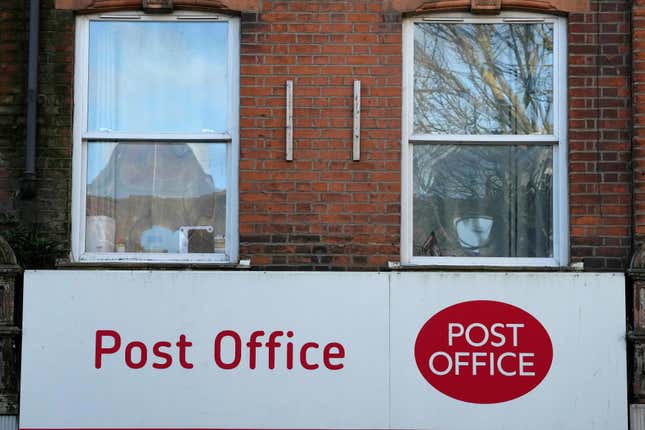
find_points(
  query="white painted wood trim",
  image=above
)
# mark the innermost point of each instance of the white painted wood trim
(561, 232)
(79, 127)
(484, 261)
(232, 235)
(469, 18)
(483, 138)
(81, 136)
(558, 140)
(153, 257)
(407, 107)
(159, 137)
(182, 15)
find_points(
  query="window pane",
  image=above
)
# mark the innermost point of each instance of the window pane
(156, 197)
(483, 78)
(483, 200)
(158, 76)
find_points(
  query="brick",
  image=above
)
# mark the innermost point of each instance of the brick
(324, 46)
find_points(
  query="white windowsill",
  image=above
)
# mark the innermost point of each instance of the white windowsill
(154, 258)
(483, 262)
(90, 261)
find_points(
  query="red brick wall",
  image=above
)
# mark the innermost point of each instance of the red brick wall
(638, 62)
(13, 55)
(322, 210)
(55, 110)
(600, 135)
(50, 210)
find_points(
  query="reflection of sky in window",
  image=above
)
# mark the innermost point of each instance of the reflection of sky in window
(483, 78)
(210, 156)
(158, 76)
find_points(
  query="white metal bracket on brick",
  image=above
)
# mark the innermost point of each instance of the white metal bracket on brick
(356, 147)
(289, 125)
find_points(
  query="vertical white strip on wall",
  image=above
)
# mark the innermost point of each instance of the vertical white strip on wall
(80, 113)
(407, 79)
(356, 152)
(289, 149)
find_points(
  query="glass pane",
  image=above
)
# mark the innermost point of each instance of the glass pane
(483, 200)
(483, 78)
(158, 77)
(156, 197)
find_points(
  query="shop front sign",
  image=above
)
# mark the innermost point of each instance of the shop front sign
(252, 350)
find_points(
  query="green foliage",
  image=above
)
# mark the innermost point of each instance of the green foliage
(33, 248)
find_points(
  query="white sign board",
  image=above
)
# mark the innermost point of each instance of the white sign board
(584, 316)
(241, 350)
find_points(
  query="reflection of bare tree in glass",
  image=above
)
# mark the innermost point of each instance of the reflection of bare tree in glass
(510, 184)
(483, 78)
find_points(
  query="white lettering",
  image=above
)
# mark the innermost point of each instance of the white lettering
(476, 363)
(515, 327)
(524, 363)
(452, 333)
(442, 354)
(458, 362)
(501, 368)
(500, 336)
(469, 339)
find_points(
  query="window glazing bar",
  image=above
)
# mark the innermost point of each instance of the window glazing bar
(198, 17)
(164, 137)
(125, 17)
(446, 20)
(483, 138)
(523, 20)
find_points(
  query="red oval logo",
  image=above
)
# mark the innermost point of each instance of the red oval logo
(483, 351)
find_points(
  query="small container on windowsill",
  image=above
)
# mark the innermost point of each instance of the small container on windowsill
(100, 233)
(219, 245)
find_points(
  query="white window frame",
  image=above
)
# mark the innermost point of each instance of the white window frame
(81, 136)
(558, 141)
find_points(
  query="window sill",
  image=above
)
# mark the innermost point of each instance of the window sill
(467, 265)
(437, 268)
(484, 262)
(155, 265)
